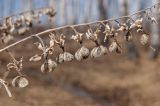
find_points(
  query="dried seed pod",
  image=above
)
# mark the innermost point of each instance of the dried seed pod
(20, 81)
(139, 30)
(48, 66)
(51, 65)
(65, 57)
(82, 53)
(113, 47)
(123, 27)
(98, 51)
(78, 37)
(7, 38)
(128, 36)
(144, 39)
(137, 23)
(154, 20)
(35, 58)
(23, 30)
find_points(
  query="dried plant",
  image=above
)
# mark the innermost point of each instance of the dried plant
(47, 50)
(20, 24)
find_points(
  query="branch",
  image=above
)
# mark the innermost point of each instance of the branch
(78, 25)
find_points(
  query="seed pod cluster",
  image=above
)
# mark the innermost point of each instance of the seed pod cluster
(20, 24)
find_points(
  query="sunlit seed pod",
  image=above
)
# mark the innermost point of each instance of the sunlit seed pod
(98, 51)
(18, 23)
(23, 30)
(133, 26)
(122, 28)
(65, 57)
(48, 66)
(113, 47)
(51, 65)
(78, 55)
(82, 53)
(20, 82)
(51, 43)
(35, 58)
(60, 58)
(68, 57)
(144, 39)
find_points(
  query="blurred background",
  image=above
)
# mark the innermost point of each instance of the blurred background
(76, 11)
(128, 79)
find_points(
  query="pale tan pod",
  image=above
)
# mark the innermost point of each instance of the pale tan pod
(36, 57)
(60, 58)
(48, 66)
(23, 30)
(78, 55)
(20, 82)
(44, 67)
(113, 47)
(144, 39)
(51, 65)
(82, 53)
(98, 51)
(67, 56)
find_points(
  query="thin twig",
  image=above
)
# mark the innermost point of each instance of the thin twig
(71, 26)
(6, 87)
